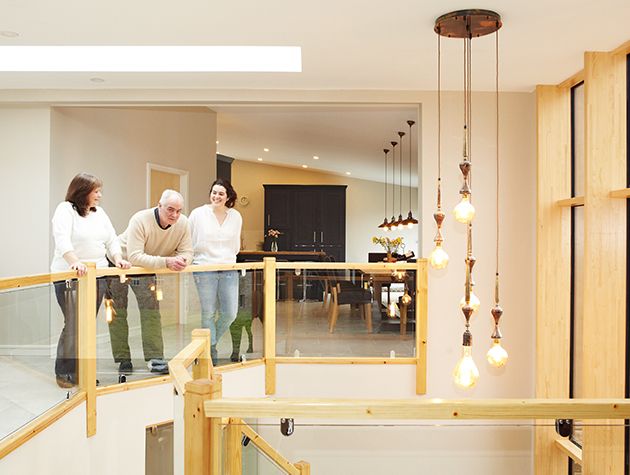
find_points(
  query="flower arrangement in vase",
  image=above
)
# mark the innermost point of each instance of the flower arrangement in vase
(391, 246)
(273, 234)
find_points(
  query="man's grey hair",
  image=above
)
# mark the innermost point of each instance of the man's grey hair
(168, 195)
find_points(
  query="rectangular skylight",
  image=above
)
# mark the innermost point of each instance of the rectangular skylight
(151, 58)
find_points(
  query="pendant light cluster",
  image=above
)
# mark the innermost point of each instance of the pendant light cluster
(466, 25)
(398, 222)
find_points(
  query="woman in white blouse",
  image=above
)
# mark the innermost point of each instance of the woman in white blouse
(216, 235)
(83, 233)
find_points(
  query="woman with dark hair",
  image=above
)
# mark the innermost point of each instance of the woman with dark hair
(83, 233)
(216, 235)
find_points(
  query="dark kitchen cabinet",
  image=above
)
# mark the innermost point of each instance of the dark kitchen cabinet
(310, 217)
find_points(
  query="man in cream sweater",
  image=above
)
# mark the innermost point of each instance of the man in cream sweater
(155, 238)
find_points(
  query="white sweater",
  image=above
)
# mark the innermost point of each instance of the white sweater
(90, 237)
(215, 243)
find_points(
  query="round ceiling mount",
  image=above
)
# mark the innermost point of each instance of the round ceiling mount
(471, 23)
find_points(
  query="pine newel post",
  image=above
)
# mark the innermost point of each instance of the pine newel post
(202, 436)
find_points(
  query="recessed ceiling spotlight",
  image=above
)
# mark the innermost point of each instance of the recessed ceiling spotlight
(315, 157)
(304, 166)
(265, 149)
(9, 34)
(217, 142)
(259, 159)
(97, 80)
(348, 173)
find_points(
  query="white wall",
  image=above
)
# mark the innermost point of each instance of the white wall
(115, 144)
(24, 194)
(117, 447)
(517, 234)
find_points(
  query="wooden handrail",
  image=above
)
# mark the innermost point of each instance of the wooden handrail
(266, 448)
(570, 449)
(38, 279)
(421, 409)
(198, 349)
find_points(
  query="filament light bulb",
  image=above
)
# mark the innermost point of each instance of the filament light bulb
(439, 257)
(497, 356)
(474, 302)
(391, 310)
(464, 211)
(406, 298)
(466, 374)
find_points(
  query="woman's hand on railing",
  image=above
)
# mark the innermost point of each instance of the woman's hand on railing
(79, 267)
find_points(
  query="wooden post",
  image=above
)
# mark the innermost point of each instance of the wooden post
(270, 324)
(303, 467)
(202, 444)
(604, 315)
(86, 344)
(422, 309)
(553, 265)
(203, 369)
(234, 449)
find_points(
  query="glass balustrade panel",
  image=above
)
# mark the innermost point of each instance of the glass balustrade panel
(31, 322)
(345, 313)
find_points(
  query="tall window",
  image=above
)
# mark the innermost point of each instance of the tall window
(577, 254)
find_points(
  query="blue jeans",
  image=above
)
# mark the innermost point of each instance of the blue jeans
(218, 291)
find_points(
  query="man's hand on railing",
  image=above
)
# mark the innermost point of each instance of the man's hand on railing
(176, 263)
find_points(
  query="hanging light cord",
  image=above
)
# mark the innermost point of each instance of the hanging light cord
(439, 151)
(385, 185)
(496, 290)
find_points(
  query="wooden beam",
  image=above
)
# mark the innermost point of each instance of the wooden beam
(421, 409)
(28, 281)
(234, 452)
(269, 451)
(622, 193)
(86, 344)
(203, 368)
(570, 202)
(604, 312)
(345, 361)
(570, 449)
(269, 329)
(422, 314)
(553, 264)
(574, 80)
(132, 385)
(196, 428)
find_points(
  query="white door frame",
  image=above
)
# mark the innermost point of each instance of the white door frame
(183, 187)
(183, 182)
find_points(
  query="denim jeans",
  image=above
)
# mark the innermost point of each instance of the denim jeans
(218, 294)
(66, 293)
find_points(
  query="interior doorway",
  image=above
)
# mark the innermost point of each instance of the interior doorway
(160, 178)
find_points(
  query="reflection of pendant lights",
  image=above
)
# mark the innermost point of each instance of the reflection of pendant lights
(497, 356)
(385, 224)
(400, 224)
(466, 25)
(410, 221)
(393, 224)
(439, 257)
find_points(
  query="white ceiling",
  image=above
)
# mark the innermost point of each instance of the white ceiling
(351, 44)
(345, 138)
(346, 45)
